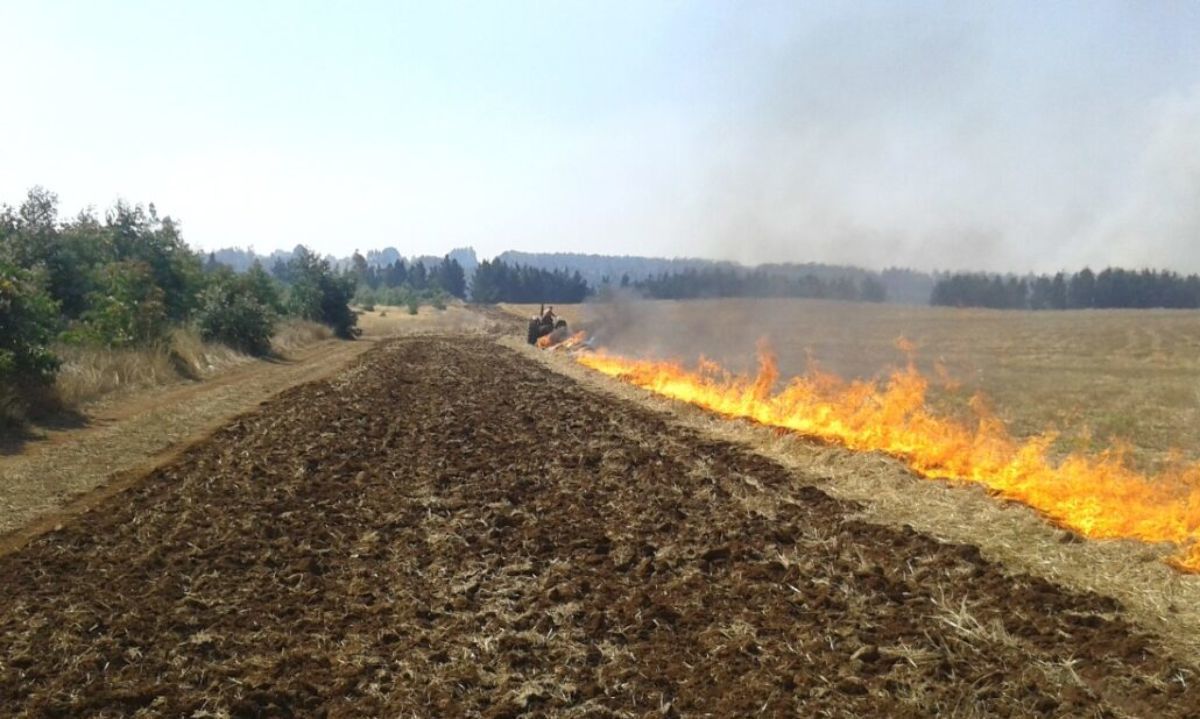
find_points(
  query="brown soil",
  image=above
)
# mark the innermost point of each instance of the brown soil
(124, 436)
(447, 529)
(64, 471)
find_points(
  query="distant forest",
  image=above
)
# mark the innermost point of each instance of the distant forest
(499, 281)
(720, 282)
(597, 270)
(570, 277)
(240, 260)
(903, 286)
(400, 284)
(1110, 288)
(518, 276)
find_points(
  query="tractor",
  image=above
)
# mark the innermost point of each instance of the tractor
(546, 323)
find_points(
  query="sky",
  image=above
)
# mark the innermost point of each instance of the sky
(1004, 136)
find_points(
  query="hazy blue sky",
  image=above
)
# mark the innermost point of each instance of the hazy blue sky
(1018, 136)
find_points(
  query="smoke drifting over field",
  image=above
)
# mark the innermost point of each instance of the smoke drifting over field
(1007, 136)
(956, 137)
(1160, 215)
(726, 331)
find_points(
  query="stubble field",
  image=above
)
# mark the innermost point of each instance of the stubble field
(1097, 377)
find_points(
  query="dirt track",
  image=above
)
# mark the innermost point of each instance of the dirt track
(42, 479)
(447, 529)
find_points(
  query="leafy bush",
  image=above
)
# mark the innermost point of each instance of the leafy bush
(28, 322)
(126, 309)
(263, 288)
(138, 234)
(71, 255)
(231, 313)
(366, 296)
(369, 298)
(320, 295)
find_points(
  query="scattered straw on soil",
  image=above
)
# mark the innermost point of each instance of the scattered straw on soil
(48, 477)
(449, 529)
(125, 432)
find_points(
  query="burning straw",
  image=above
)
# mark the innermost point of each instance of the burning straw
(1099, 496)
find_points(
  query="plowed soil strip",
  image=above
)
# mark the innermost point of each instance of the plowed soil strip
(48, 476)
(446, 529)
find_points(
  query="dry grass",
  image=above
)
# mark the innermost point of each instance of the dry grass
(89, 373)
(391, 321)
(1096, 376)
(293, 334)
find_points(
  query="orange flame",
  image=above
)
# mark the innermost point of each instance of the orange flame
(550, 342)
(1097, 496)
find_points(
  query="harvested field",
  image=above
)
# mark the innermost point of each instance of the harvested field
(1095, 376)
(449, 529)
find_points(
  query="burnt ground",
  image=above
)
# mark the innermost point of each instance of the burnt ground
(448, 529)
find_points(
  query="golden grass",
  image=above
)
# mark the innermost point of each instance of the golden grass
(1095, 376)
(391, 321)
(291, 335)
(89, 373)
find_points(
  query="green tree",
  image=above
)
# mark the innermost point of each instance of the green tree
(872, 289)
(280, 271)
(64, 255)
(230, 311)
(126, 309)
(263, 288)
(1081, 291)
(139, 234)
(318, 294)
(418, 276)
(359, 268)
(1058, 292)
(28, 322)
(450, 277)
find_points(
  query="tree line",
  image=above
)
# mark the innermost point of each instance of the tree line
(400, 284)
(499, 281)
(1110, 288)
(904, 286)
(721, 282)
(127, 279)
